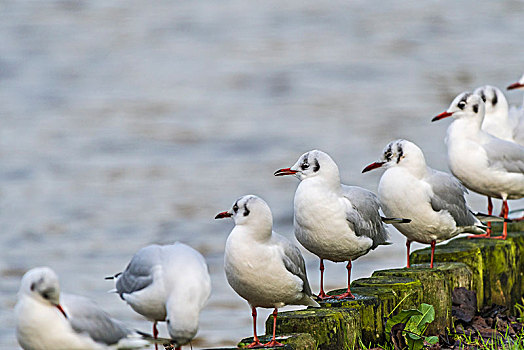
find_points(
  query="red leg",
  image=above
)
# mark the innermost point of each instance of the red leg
(433, 243)
(408, 245)
(256, 343)
(273, 342)
(488, 231)
(504, 213)
(155, 334)
(322, 294)
(348, 293)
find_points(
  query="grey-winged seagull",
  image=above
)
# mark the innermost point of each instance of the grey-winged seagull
(262, 266)
(432, 199)
(333, 221)
(47, 319)
(167, 283)
(481, 161)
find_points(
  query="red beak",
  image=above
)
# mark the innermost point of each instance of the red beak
(442, 116)
(223, 214)
(373, 166)
(515, 86)
(285, 171)
(59, 307)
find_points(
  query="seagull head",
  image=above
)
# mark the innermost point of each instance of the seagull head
(399, 153)
(494, 99)
(465, 106)
(518, 85)
(41, 284)
(312, 164)
(249, 210)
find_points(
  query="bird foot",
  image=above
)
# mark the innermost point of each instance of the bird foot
(346, 295)
(484, 235)
(322, 295)
(255, 344)
(499, 237)
(272, 343)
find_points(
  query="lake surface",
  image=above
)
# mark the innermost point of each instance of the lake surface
(125, 123)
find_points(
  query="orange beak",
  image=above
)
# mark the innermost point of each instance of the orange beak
(285, 171)
(223, 214)
(442, 116)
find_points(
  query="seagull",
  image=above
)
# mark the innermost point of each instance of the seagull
(496, 121)
(334, 221)
(516, 114)
(167, 283)
(262, 266)
(432, 199)
(47, 319)
(482, 162)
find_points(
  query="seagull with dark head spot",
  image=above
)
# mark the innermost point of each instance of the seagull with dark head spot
(167, 283)
(262, 266)
(496, 119)
(432, 199)
(334, 221)
(47, 319)
(482, 162)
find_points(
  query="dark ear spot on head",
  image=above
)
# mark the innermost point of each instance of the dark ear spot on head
(475, 108)
(317, 166)
(246, 211)
(482, 95)
(33, 286)
(400, 152)
(495, 99)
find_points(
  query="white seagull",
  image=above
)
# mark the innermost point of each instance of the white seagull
(432, 199)
(481, 161)
(167, 283)
(262, 266)
(333, 221)
(496, 121)
(516, 113)
(49, 320)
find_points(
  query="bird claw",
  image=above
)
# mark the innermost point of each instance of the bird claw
(484, 235)
(273, 343)
(322, 295)
(255, 344)
(346, 295)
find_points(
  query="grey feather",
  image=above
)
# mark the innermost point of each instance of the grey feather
(448, 194)
(505, 155)
(137, 274)
(294, 262)
(365, 219)
(87, 317)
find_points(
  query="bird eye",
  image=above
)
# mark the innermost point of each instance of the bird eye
(235, 208)
(461, 104)
(305, 166)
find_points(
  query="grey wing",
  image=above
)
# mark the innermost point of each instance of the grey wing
(364, 216)
(448, 194)
(294, 262)
(505, 155)
(87, 317)
(139, 272)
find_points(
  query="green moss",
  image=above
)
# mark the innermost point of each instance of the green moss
(493, 263)
(517, 238)
(437, 285)
(332, 328)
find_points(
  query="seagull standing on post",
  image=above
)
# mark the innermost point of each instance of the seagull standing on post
(433, 200)
(262, 266)
(482, 162)
(334, 221)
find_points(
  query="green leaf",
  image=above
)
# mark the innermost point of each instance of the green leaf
(432, 340)
(402, 317)
(417, 323)
(414, 344)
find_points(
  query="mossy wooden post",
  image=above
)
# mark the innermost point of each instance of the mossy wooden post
(375, 299)
(332, 328)
(517, 238)
(492, 262)
(437, 284)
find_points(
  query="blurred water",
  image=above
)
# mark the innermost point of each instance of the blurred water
(125, 123)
